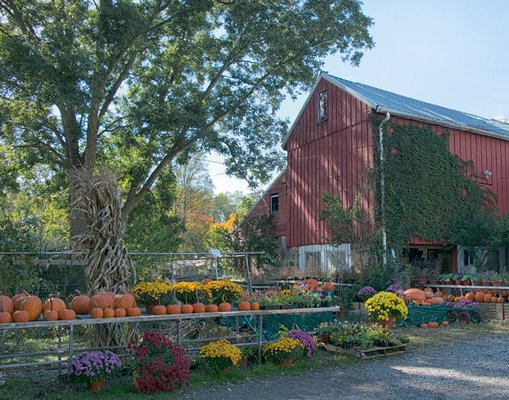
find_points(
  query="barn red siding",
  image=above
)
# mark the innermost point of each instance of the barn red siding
(331, 156)
(334, 156)
(262, 207)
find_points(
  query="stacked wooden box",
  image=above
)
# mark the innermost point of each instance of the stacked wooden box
(494, 311)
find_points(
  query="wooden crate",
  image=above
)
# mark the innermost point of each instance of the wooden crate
(373, 352)
(493, 311)
(505, 307)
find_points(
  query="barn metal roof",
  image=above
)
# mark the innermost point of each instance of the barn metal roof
(384, 101)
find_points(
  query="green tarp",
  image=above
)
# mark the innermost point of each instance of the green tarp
(272, 323)
(306, 322)
(419, 314)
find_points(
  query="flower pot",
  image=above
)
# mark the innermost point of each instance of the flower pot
(387, 324)
(96, 386)
(324, 338)
(271, 307)
(287, 306)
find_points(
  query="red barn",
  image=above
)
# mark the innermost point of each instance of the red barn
(330, 149)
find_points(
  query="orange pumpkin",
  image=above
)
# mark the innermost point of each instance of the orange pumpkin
(313, 282)
(173, 309)
(134, 312)
(433, 324)
(54, 303)
(479, 297)
(80, 304)
(494, 299)
(120, 312)
(470, 296)
(439, 294)
(111, 294)
(414, 294)
(206, 280)
(244, 306)
(255, 306)
(198, 308)
(211, 308)
(329, 286)
(109, 313)
(66, 315)
(424, 325)
(5, 317)
(50, 315)
(126, 301)
(20, 316)
(97, 312)
(225, 307)
(159, 310)
(445, 323)
(501, 300)
(32, 305)
(186, 308)
(487, 298)
(101, 301)
(6, 304)
(17, 297)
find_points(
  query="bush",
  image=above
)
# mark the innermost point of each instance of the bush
(160, 364)
(305, 338)
(220, 355)
(283, 349)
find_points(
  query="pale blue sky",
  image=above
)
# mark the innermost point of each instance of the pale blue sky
(453, 53)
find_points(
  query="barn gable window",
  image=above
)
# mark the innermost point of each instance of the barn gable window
(274, 205)
(322, 106)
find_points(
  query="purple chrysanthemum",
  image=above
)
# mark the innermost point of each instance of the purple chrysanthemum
(305, 338)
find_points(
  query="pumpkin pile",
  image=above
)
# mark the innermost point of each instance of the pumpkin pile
(24, 307)
(433, 324)
(107, 305)
(427, 296)
(424, 297)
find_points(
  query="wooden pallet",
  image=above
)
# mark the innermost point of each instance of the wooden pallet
(365, 354)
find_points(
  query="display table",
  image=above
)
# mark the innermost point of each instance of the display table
(257, 319)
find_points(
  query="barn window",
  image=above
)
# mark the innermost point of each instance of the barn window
(322, 106)
(274, 205)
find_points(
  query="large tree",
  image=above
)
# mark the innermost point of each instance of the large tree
(135, 84)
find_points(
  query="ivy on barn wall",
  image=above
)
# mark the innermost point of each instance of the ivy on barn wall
(428, 190)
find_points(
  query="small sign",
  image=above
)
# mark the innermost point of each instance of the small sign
(215, 252)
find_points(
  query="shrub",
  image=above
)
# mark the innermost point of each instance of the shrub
(220, 354)
(160, 364)
(305, 338)
(283, 349)
(93, 365)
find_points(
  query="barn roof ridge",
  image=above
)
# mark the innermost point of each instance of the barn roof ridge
(384, 101)
(404, 106)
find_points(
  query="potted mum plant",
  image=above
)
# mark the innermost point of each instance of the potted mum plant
(385, 308)
(93, 367)
(220, 355)
(284, 351)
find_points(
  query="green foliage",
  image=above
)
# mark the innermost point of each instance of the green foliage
(430, 193)
(136, 85)
(343, 223)
(257, 234)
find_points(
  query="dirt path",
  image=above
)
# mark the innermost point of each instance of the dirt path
(474, 369)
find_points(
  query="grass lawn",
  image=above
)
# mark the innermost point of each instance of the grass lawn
(46, 385)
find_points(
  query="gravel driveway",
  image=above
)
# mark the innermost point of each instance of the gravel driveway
(473, 369)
